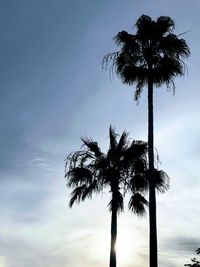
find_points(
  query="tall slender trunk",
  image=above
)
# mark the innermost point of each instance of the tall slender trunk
(153, 258)
(113, 260)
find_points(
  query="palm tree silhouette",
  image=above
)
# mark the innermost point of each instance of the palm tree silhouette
(151, 57)
(123, 167)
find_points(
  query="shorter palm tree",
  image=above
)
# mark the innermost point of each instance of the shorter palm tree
(122, 168)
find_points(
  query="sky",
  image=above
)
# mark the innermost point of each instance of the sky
(52, 92)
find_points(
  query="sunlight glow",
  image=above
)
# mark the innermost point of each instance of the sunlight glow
(125, 247)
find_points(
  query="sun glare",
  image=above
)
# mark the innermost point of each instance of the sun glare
(124, 247)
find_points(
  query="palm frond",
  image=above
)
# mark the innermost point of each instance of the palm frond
(92, 146)
(138, 204)
(139, 182)
(123, 142)
(144, 26)
(78, 159)
(140, 165)
(124, 38)
(167, 69)
(110, 60)
(80, 193)
(76, 195)
(113, 138)
(161, 181)
(138, 90)
(174, 46)
(117, 202)
(93, 187)
(78, 175)
(165, 25)
(136, 150)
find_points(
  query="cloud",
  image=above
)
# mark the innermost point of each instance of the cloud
(182, 244)
(21, 253)
(178, 250)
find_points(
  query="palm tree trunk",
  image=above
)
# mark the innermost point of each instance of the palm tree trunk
(113, 261)
(153, 260)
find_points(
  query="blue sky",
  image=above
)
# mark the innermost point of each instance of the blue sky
(53, 91)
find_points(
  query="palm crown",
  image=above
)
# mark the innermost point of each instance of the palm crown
(90, 170)
(154, 52)
(123, 167)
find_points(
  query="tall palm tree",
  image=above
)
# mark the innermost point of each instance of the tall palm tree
(89, 170)
(153, 56)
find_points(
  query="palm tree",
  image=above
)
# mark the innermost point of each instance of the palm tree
(89, 170)
(151, 57)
